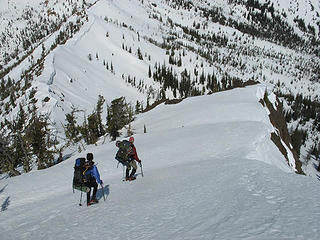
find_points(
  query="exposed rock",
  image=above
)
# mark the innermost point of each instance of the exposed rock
(281, 136)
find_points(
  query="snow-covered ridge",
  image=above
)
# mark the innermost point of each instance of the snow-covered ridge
(234, 106)
(205, 177)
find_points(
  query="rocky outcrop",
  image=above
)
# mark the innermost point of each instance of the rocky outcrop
(281, 137)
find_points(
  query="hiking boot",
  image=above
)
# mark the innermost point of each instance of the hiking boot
(132, 178)
(93, 201)
(132, 173)
(94, 198)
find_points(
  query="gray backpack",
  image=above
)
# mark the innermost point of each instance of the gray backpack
(124, 151)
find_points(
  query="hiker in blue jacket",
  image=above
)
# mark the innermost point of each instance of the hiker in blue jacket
(92, 176)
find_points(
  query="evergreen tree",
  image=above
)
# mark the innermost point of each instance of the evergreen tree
(93, 128)
(140, 54)
(38, 135)
(71, 128)
(21, 118)
(101, 127)
(7, 163)
(138, 107)
(149, 72)
(22, 151)
(179, 63)
(84, 129)
(119, 114)
(19, 150)
(111, 68)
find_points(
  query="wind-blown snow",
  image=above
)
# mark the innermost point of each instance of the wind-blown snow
(210, 172)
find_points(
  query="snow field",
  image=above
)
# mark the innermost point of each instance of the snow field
(205, 180)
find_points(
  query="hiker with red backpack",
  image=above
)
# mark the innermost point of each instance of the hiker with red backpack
(127, 155)
(92, 176)
(132, 157)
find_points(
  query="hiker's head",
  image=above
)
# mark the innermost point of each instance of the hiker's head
(89, 157)
(131, 139)
(117, 143)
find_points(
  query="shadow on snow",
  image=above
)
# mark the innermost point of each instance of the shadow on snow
(6, 202)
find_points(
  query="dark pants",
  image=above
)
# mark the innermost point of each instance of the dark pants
(132, 164)
(92, 184)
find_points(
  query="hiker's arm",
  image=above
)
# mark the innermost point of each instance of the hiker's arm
(96, 174)
(136, 154)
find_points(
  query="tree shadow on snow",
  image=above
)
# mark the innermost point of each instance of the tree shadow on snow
(106, 192)
(5, 204)
(316, 165)
(2, 189)
(4, 176)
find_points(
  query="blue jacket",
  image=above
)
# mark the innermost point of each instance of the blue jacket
(93, 171)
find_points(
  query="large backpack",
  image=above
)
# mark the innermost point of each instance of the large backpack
(124, 150)
(79, 180)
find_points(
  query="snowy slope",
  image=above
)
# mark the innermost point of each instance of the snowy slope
(70, 79)
(210, 172)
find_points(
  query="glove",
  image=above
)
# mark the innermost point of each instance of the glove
(101, 182)
(139, 161)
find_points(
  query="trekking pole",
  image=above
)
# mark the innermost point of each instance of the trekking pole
(104, 198)
(80, 203)
(141, 168)
(80, 197)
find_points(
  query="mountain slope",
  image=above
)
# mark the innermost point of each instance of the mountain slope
(116, 31)
(210, 172)
(152, 50)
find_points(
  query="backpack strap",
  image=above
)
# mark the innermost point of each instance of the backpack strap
(84, 172)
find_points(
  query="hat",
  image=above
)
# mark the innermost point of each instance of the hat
(89, 156)
(131, 139)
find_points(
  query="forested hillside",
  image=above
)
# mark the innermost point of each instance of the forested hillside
(71, 70)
